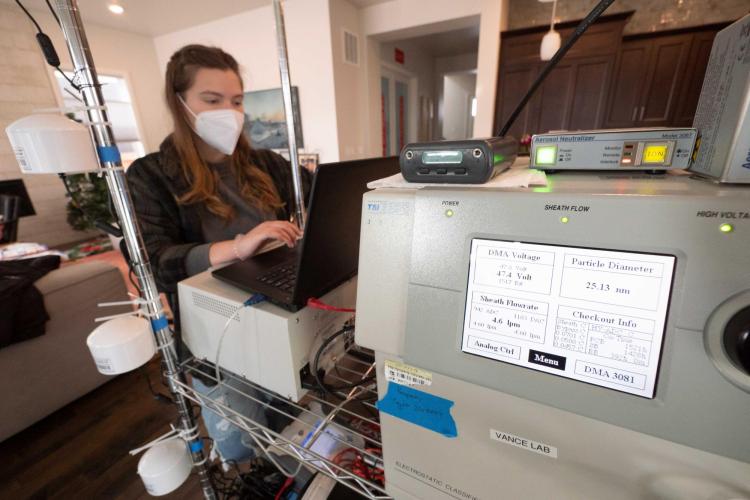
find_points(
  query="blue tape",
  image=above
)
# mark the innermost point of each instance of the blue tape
(419, 408)
(159, 323)
(108, 154)
(196, 446)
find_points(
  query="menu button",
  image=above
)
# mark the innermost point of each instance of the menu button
(547, 359)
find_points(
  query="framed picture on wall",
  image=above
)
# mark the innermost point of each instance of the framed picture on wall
(265, 121)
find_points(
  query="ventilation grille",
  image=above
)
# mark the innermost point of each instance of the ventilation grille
(215, 306)
(351, 48)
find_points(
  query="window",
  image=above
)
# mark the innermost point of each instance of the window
(119, 107)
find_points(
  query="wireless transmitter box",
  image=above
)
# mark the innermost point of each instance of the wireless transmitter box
(472, 161)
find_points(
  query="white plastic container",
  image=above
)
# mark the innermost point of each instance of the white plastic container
(165, 466)
(121, 345)
(48, 143)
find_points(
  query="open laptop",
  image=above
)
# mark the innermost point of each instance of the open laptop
(328, 253)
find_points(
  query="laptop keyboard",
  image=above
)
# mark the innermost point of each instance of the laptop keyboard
(282, 277)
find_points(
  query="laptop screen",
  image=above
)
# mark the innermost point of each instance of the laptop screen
(331, 244)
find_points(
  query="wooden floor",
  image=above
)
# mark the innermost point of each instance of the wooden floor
(81, 451)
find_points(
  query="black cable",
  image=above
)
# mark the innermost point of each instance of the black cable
(71, 82)
(38, 28)
(71, 94)
(157, 395)
(328, 389)
(133, 281)
(54, 14)
(580, 29)
(48, 49)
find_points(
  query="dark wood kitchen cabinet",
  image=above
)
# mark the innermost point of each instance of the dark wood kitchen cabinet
(606, 80)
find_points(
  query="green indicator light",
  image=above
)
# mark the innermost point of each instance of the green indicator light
(497, 158)
(726, 228)
(546, 155)
(449, 213)
(564, 220)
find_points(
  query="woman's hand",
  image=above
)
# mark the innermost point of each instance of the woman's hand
(280, 230)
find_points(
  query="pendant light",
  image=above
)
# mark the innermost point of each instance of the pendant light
(551, 40)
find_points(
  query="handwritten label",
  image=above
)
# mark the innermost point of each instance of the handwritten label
(419, 408)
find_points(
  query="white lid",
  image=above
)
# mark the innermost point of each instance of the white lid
(119, 331)
(45, 121)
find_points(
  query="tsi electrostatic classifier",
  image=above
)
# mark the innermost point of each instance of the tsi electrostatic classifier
(587, 339)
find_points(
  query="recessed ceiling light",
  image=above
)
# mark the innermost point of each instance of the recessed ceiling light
(116, 8)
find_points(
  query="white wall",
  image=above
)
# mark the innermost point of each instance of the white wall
(457, 95)
(419, 17)
(350, 82)
(251, 38)
(417, 62)
(409, 18)
(419, 66)
(494, 20)
(443, 67)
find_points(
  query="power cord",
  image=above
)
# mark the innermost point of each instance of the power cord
(163, 398)
(328, 389)
(256, 298)
(48, 48)
(54, 14)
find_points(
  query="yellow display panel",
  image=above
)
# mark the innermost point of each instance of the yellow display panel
(655, 153)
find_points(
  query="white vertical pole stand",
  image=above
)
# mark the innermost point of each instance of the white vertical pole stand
(110, 164)
(286, 90)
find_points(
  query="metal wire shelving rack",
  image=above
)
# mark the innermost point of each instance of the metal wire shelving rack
(351, 413)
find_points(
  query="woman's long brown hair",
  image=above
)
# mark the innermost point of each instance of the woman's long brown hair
(256, 187)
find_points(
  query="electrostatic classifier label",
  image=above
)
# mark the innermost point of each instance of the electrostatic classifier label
(596, 316)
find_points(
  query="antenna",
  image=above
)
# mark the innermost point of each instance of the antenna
(580, 29)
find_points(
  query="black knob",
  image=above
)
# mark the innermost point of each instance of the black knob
(737, 339)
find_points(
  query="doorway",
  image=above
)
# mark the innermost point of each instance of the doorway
(395, 88)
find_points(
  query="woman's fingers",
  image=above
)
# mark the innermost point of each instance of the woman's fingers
(290, 231)
(283, 233)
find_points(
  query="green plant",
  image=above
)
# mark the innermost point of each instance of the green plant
(91, 201)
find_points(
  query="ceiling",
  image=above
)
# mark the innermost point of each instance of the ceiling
(154, 17)
(366, 3)
(158, 17)
(449, 43)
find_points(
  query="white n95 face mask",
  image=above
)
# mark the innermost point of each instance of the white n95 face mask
(219, 128)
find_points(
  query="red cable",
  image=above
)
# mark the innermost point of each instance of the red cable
(317, 304)
(286, 485)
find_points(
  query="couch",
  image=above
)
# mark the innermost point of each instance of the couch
(43, 374)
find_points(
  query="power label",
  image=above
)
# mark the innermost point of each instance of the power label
(403, 374)
(21, 159)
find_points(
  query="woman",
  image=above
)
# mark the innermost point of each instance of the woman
(207, 198)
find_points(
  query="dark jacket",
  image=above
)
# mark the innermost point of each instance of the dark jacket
(22, 312)
(170, 229)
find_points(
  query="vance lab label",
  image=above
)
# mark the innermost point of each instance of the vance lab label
(524, 443)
